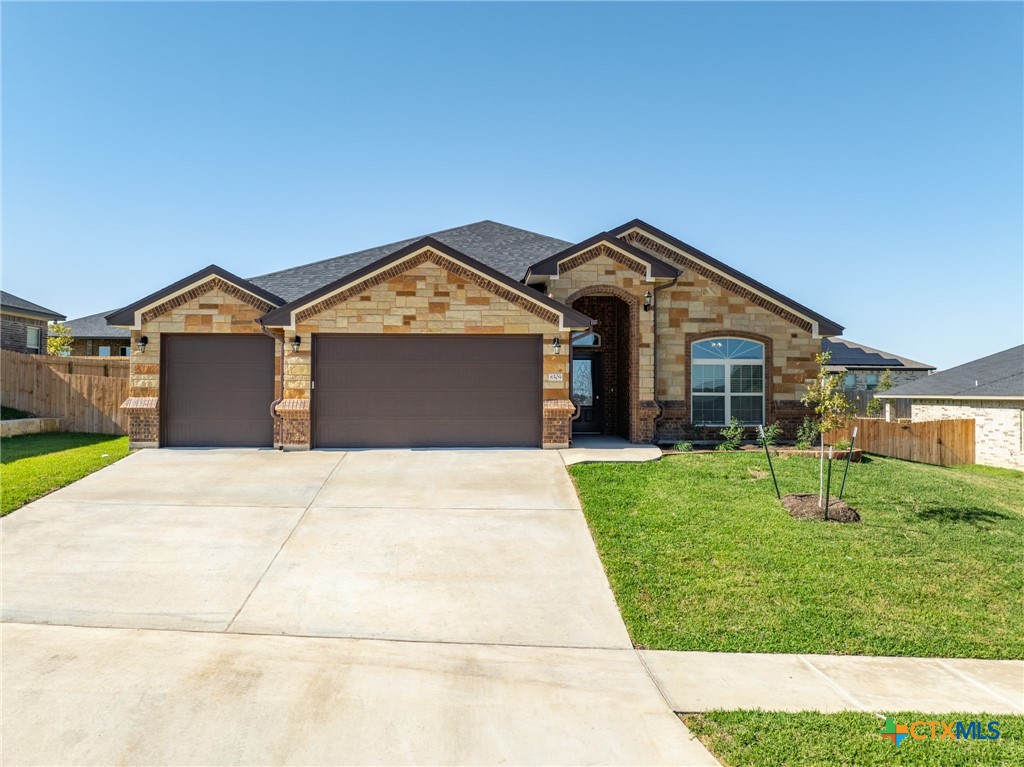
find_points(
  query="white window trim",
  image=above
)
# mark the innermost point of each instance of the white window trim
(727, 394)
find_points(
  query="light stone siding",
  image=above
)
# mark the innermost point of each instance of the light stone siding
(998, 437)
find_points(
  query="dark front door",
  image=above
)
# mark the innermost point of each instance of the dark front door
(216, 390)
(427, 391)
(588, 393)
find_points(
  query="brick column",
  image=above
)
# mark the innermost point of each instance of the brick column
(295, 423)
(143, 421)
(557, 423)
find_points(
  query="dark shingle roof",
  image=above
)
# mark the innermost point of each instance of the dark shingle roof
(998, 375)
(504, 248)
(95, 326)
(21, 306)
(847, 354)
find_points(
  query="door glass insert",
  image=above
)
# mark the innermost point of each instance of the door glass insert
(583, 382)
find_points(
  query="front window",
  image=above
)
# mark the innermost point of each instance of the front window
(727, 381)
(850, 381)
(104, 351)
(871, 381)
(32, 337)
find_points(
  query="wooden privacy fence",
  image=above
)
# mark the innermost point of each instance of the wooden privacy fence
(941, 443)
(90, 403)
(111, 367)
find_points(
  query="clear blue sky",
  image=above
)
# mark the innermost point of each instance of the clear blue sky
(864, 159)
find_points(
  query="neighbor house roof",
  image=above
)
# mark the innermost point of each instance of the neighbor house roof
(997, 376)
(504, 248)
(15, 305)
(826, 327)
(283, 317)
(95, 326)
(847, 354)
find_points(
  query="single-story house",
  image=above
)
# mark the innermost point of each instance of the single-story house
(990, 390)
(93, 337)
(23, 324)
(481, 335)
(862, 366)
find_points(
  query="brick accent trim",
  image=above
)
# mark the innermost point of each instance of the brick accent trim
(602, 250)
(636, 413)
(769, 359)
(663, 251)
(445, 263)
(216, 283)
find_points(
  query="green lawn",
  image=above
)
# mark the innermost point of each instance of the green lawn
(771, 739)
(701, 556)
(36, 464)
(10, 413)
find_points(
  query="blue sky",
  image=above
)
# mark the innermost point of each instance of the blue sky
(864, 159)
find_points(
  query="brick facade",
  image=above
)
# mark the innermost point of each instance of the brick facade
(214, 306)
(430, 293)
(90, 347)
(14, 333)
(998, 427)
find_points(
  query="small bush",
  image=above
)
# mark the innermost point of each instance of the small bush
(771, 435)
(806, 433)
(683, 447)
(732, 435)
(843, 444)
(874, 408)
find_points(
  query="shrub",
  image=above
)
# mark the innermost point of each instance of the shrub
(732, 435)
(874, 408)
(771, 435)
(683, 447)
(843, 444)
(806, 433)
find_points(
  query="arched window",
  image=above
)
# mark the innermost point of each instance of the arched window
(727, 381)
(588, 340)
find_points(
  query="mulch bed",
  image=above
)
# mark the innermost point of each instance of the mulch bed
(805, 506)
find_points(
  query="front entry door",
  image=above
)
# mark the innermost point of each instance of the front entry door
(588, 393)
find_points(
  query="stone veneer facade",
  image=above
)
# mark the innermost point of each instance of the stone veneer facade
(998, 426)
(214, 306)
(428, 293)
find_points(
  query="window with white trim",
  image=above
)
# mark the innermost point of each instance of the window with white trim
(727, 381)
(32, 339)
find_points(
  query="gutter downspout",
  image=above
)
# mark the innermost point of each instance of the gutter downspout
(278, 421)
(654, 348)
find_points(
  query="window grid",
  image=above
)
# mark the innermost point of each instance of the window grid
(727, 381)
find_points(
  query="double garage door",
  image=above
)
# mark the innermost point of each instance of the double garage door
(370, 391)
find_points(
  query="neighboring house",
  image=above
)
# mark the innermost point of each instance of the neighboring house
(862, 366)
(990, 390)
(481, 335)
(23, 324)
(93, 337)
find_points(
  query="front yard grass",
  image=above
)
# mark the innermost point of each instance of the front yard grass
(772, 739)
(36, 464)
(701, 556)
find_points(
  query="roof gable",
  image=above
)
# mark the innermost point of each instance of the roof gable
(997, 376)
(651, 238)
(133, 314)
(603, 244)
(426, 249)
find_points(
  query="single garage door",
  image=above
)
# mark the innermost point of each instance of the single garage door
(427, 391)
(217, 391)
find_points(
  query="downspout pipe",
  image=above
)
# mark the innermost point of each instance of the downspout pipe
(278, 421)
(654, 349)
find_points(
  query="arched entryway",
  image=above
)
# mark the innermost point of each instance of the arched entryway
(604, 366)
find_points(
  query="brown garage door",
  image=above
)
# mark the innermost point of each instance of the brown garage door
(427, 391)
(217, 391)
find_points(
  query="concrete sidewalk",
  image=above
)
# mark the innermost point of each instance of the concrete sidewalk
(701, 681)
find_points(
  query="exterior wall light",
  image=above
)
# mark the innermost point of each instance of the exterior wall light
(647, 301)
(556, 345)
(142, 344)
(296, 343)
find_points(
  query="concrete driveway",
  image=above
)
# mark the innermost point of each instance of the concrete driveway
(391, 607)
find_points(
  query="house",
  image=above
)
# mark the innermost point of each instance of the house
(23, 324)
(862, 366)
(93, 337)
(480, 335)
(990, 390)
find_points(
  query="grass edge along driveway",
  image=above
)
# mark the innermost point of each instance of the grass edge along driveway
(701, 556)
(34, 465)
(850, 739)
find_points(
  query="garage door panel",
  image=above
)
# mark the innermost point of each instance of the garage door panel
(217, 391)
(384, 391)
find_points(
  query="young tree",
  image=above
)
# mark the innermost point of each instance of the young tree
(59, 344)
(825, 395)
(876, 406)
